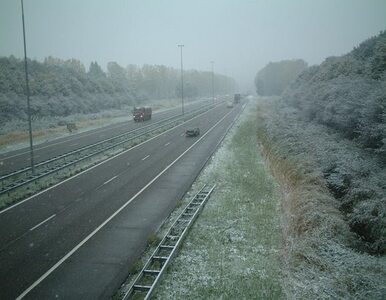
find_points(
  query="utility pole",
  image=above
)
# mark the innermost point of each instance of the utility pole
(27, 90)
(182, 81)
(212, 62)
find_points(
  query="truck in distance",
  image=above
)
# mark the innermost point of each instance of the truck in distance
(141, 114)
(237, 98)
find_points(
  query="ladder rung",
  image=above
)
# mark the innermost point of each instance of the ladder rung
(143, 288)
(188, 215)
(173, 237)
(152, 272)
(159, 257)
(166, 247)
(182, 220)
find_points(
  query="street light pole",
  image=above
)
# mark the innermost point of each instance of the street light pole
(212, 62)
(182, 81)
(27, 90)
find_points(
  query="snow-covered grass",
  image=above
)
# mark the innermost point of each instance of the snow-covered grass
(319, 260)
(233, 249)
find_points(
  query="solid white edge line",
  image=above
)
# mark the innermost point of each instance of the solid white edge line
(41, 223)
(97, 165)
(63, 259)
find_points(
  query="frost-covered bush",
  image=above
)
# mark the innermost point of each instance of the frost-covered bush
(347, 94)
(333, 207)
(275, 76)
(355, 177)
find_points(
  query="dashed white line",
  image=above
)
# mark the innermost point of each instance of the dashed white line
(41, 223)
(76, 144)
(64, 258)
(182, 134)
(168, 143)
(147, 156)
(111, 179)
(93, 167)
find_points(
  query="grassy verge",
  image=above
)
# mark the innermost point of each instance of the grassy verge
(319, 260)
(233, 250)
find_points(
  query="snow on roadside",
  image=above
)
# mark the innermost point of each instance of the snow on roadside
(233, 248)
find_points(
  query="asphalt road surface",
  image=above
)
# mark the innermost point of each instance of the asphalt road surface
(78, 239)
(18, 159)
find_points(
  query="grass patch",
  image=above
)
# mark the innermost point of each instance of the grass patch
(153, 240)
(233, 250)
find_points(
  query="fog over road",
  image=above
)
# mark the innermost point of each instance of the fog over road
(81, 237)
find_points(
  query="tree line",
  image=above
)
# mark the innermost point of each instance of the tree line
(276, 76)
(335, 113)
(64, 87)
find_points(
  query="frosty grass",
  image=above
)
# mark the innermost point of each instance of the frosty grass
(233, 248)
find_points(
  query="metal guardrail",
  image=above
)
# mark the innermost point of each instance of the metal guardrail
(23, 177)
(147, 280)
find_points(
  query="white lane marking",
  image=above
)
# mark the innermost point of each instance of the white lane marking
(168, 143)
(97, 165)
(182, 134)
(111, 179)
(80, 135)
(76, 144)
(64, 258)
(41, 223)
(147, 156)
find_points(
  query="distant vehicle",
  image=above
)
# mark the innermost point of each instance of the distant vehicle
(237, 98)
(141, 114)
(192, 131)
(229, 104)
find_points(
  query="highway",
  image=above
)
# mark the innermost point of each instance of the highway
(18, 159)
(78, 239)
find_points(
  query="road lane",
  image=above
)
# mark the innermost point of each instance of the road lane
(18, 159)
(79, 207)
(120, 242)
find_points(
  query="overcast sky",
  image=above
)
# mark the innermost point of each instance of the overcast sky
(241, 36)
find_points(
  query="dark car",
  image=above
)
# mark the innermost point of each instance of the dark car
(192, 131)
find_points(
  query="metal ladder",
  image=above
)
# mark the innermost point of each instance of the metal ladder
(145, 283)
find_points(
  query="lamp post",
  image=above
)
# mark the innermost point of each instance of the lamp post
(212, 62)
(27, 90)
(182, 82)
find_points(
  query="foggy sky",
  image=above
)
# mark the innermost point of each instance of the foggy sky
(241, 36)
